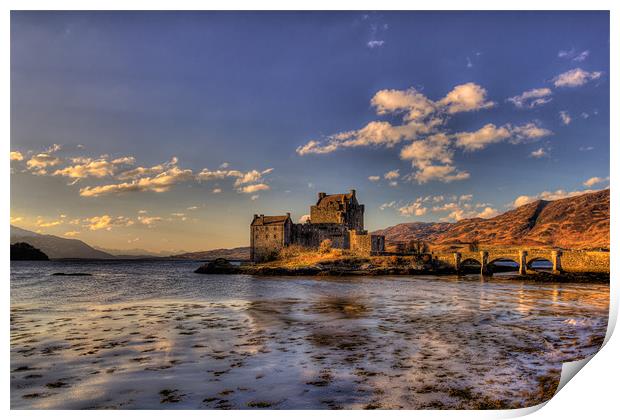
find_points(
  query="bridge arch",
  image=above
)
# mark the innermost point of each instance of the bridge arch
(561, 260)
(536, 262)
(496, 263)
(470, 265)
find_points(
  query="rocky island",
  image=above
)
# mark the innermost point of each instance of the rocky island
(22, 251)
(571, 235)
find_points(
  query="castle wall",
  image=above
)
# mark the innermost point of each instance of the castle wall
(266, 241)
(351, 215)
(326, 214)
(366, 244)
(356, 218)
(310, 235)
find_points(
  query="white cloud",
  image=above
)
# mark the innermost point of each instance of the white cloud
(466, 97)
(53, 148)
(563, 53)
(48, 223)
(390, 175)
(429, 149)
(539, 153)
(375, 43)
(42, 161)
(432, 157)
(304, 218)
(71, 233)
(421, 116)
(532, 98)
(106, 222)
(159, 183)
(490, 134)
(595, 180)
(422, 153)
(224, 165)
(248, 189)
(149, 221)
(582, 56)
(192, 208)
(98, 168)
(462, 207)
(375, 133)
(208, 175)
(573, 55)
(16, 156)
(443, 173)
(565, 117)
(529, 131)
(255, 197)
(251, 176)
(388, 205)
(522, 200)
(412, 104)
(242, 178)
(125, 160)
(446, 207)
(484, 136)
(548, 195)
(414, 208)
(140, 171)
(575, 77)
(487, 213)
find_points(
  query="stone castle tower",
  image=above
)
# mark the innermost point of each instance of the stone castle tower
(342, 209)
(337, 217)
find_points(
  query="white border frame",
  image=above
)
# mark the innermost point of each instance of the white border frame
(593, 394)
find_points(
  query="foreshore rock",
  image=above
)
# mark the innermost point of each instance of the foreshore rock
(218, 266)
(72, 274)
(332, 268)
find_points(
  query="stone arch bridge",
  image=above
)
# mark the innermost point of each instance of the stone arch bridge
(562, 260)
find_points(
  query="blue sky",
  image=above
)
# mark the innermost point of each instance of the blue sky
(172, 129)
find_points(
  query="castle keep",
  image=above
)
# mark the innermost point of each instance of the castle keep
(337, 217)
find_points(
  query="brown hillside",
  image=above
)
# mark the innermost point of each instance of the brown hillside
(580, 222)
(417, 231)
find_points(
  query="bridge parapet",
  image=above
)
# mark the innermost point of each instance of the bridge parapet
(562, 260)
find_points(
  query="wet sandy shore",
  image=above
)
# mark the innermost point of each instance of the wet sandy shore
(440, 344)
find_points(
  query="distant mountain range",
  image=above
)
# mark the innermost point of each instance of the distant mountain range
(137, 252)
(580, 222)
(241, 253)
(57, 247)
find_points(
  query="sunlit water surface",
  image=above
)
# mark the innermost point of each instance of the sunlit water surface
(156, 335)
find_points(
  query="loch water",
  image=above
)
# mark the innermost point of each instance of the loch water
(155, 335)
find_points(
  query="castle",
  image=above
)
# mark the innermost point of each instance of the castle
(337, 217)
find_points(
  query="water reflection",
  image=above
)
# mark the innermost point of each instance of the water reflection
(190, 341)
